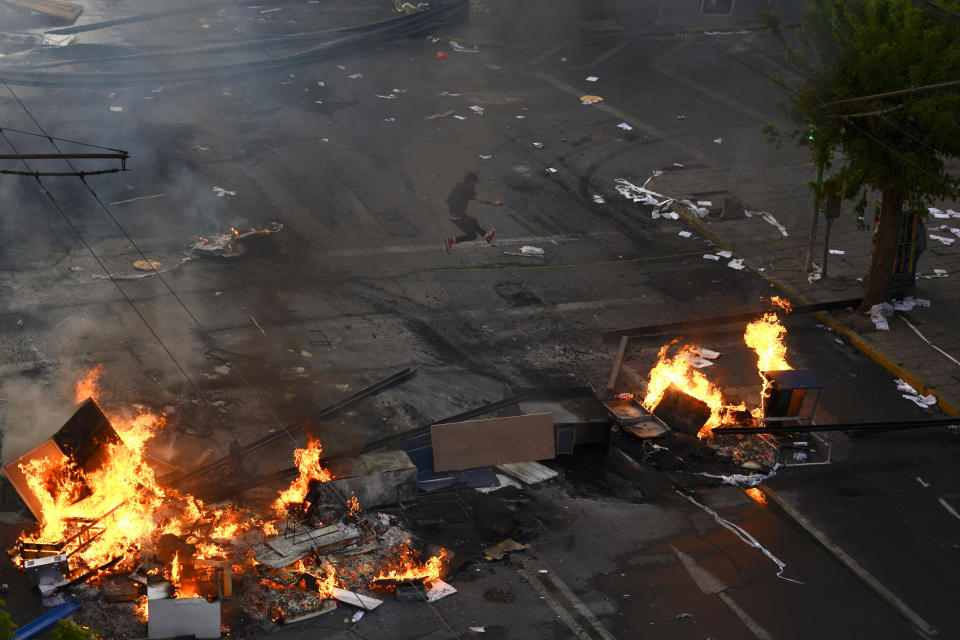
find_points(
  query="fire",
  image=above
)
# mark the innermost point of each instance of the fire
(676, 371)
(353, 505)
(765, 337)
(756, 495)
(406, 566)
(309, 467)
(89, 385)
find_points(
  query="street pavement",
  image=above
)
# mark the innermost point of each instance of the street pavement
(359, 281)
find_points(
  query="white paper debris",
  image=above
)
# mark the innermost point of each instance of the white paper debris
(521, 117)
(698, 363)
(879, 314)
(550, 170)
(936, 213)
(952, 213)
(704, 203)
(221, 192)
(684, 234)
(911, 394)
(531, 251)
(438, 590)
(477, 629)
(725, 254)
(592, 78)
(625, 126)
(477, 109)
(460, 117)
(599, 199)
(942, 239)
(354, 76)
(736, 263)
(946, 505)
(742, 533)
(389, 96)
(538, 145)
(718, 140)
(448, 94)
(483, 157)
(116, 109)
(837, 252)
(356, 616)
(670, 215)
(768, 217)
(710, 256)
(709, 354)
(922, 483)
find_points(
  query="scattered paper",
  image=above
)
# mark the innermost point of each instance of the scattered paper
(599, 199)
(837, 252)
(591, 78)
(116, 109)
(625, 126)
(460, 117)
(768, 218)
(389, 96)
(356, 616)
(698, 363)
(725, 254)
(439, 590)
(937, 213)
(521, 117)
(710, 256)
(483, 157)
(477, 109)
(942, 239)
(221, 192)
(684, 234)
(590, 99)
(531, 251)
(736, 263)
(923, 484)
(477, 629)
(389, 119)
(354, 76)
(879, 314)
(709, 354)
(448, 94)
(550, 170)
(718, 140)
(704, 203)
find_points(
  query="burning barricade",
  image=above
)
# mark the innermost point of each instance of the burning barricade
(109, 530)
(680, 395)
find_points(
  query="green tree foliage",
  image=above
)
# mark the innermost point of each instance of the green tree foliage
(6, 624)
(895, 145)
(67, 629)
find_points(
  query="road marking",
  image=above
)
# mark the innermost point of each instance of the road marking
(561, 612)
(716, 95)
(612, 52)
(437, 246)
(946, 505)
(529, 568)
(543, 56)
(920, 625)
(711, 584)
(758, 631)
(635, 122)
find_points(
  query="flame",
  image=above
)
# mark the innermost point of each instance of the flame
(779, 303)
(89, 385)
(756, 495)
(353, 505)
(765, 337)
(308, 464)
(406, 567)
(677, 372)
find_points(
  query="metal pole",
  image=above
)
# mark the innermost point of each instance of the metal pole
(812, 238)
(826, 247)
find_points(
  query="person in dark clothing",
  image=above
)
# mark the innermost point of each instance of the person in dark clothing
(460, 196)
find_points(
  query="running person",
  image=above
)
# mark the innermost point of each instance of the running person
(460, 196)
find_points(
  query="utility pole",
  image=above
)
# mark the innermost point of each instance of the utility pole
(812, 237)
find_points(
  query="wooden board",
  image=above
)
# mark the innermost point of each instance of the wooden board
(55, 8)
(479, 443)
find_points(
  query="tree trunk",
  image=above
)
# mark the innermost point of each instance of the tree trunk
(880, 275)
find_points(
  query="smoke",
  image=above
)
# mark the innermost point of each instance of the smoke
(32, 410)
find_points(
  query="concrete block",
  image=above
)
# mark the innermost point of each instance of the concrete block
(373, 477)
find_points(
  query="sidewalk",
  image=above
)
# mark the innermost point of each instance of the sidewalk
(780, 260)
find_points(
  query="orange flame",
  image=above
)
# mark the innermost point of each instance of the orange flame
(765, 337)
(89, 385)
(308, 464)
(353, 505)
(406, 566)
(756, 495)
(678, 372)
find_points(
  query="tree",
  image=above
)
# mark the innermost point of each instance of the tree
(67, 629)
(896, 145)
(6, 624)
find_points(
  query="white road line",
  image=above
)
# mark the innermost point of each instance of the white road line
(607, 54)
(716, 95)
(577, 603)
(946, 505)
(711, 584)
(561, 612)
(759, 632)
(920, 625)
(635, 122)
(543, 56)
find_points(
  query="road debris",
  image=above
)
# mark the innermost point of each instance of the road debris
(588, 99)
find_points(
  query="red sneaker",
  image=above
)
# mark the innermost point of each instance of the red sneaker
(489, 235)
(450, 243)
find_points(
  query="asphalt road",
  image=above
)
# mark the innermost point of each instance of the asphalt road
(358, 285)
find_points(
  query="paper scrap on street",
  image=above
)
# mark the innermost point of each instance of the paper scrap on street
(483, 157)
(599, 199)
(538, 145)
(710, 256)
(879, 314)
(704, 203)
(942, 239)
(531, 251)
(550, 170)
(116, 109)
(221, 192)
(647, 196)
(736, 263)
(625, 126)
(768, 217)
(477, 109)
(709, 354)
(718, 140)
(697, 362)
(592, 78)
(438, 590)
(590, 99)
(460, 117)
(837, 252)
(725, 254)
(684, 234)
(911, 394)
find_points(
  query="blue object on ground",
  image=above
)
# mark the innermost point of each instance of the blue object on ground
(47, 620)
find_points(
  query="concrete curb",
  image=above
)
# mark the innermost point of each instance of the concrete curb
(948, 405)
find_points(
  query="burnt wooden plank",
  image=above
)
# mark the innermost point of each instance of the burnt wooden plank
(55, 8)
